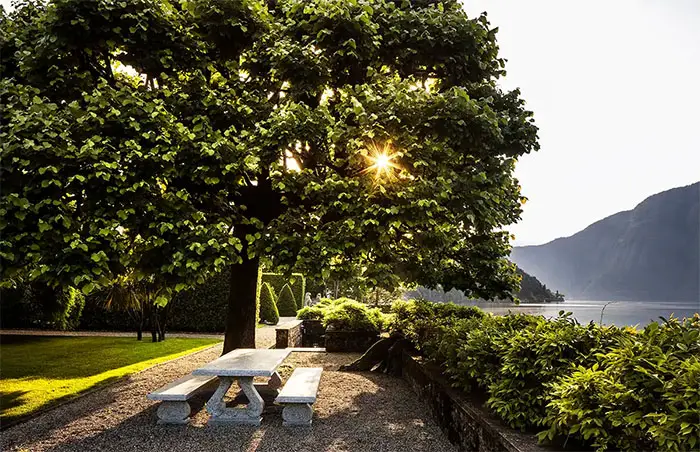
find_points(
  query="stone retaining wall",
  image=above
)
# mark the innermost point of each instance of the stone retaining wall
(465, 422)
(288, 334)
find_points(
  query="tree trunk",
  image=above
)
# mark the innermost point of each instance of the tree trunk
(139, 333)
(153, 322)
(240, 319)
(162, 321)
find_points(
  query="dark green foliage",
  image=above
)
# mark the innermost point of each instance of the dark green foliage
(604, 387)
(296, 281)
(351, 315)
(178, 174)
(37, 306)
(311, 313)
(642, 394)
(533, 291)
(648, 253)
(345, 314)
(198, 309)
(268, 305)
(285, 302)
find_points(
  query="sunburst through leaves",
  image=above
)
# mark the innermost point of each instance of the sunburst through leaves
(382, 161)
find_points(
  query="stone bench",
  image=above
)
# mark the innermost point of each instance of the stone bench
(298, 394)
(174, 408)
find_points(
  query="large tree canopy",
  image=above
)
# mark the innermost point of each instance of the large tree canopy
(172, 138)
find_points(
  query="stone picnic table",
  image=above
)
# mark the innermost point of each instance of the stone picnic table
(243, 364)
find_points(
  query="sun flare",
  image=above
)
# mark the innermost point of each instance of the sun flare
(382, 161)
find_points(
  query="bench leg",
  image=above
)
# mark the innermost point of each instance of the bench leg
(297, 414)
(220, 413)
(174, 413)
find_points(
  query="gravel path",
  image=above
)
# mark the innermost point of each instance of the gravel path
(354, 412)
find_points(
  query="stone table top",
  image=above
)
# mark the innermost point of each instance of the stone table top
(245, 362)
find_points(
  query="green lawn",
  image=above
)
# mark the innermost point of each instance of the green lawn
(37, 371)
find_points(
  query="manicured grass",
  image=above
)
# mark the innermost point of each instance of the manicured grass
(38, 371)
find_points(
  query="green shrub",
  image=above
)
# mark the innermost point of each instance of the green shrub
(296, 282)
(587, 385)
(642, 394)
(285, 302)
(535, 357)
(345, 314)
(311, 313)
(268, 306)
(351, 315)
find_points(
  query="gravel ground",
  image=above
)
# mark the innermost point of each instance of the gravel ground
(354, 412)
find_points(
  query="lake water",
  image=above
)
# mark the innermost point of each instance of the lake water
(619, 313)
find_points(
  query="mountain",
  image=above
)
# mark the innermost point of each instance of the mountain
(531, 291)
(649, 253)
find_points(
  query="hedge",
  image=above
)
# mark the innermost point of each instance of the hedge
(581, 385)
(297, 282)
(268, 305)
(286, 303)
(201, 309)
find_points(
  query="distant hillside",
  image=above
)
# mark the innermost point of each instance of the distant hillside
(531, 291)
(649, 253)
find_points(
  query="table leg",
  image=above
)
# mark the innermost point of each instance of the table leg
(275, 381)
(248, 415)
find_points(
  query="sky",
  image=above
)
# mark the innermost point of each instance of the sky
(615, 89)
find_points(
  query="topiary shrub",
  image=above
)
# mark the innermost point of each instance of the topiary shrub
(296, 282)
(268, 306)
(285, 302)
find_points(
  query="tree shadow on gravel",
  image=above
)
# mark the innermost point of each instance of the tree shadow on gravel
(385, 416)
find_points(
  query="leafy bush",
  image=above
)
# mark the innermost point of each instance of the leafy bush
(37, 305)
(285, 302)
(352, 315)
(536, 356)
(311, 313)
(603, 387)
(268, 306)
(345, 314)
(642, 394)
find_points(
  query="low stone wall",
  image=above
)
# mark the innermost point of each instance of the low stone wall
(288, 334)
(313, 333)
(350, 341)
(465, 422)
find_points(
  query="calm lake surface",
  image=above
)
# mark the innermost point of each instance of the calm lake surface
(619, 313)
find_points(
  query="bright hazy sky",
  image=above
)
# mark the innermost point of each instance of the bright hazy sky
(615, 87)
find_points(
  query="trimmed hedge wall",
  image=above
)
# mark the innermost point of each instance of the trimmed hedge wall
(297, 282)
(202, 309)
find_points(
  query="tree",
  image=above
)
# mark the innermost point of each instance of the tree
(321, 134)
(285, 302)
(268, 305)
(139, 299)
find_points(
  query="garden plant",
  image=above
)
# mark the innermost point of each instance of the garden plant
(577, 385)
